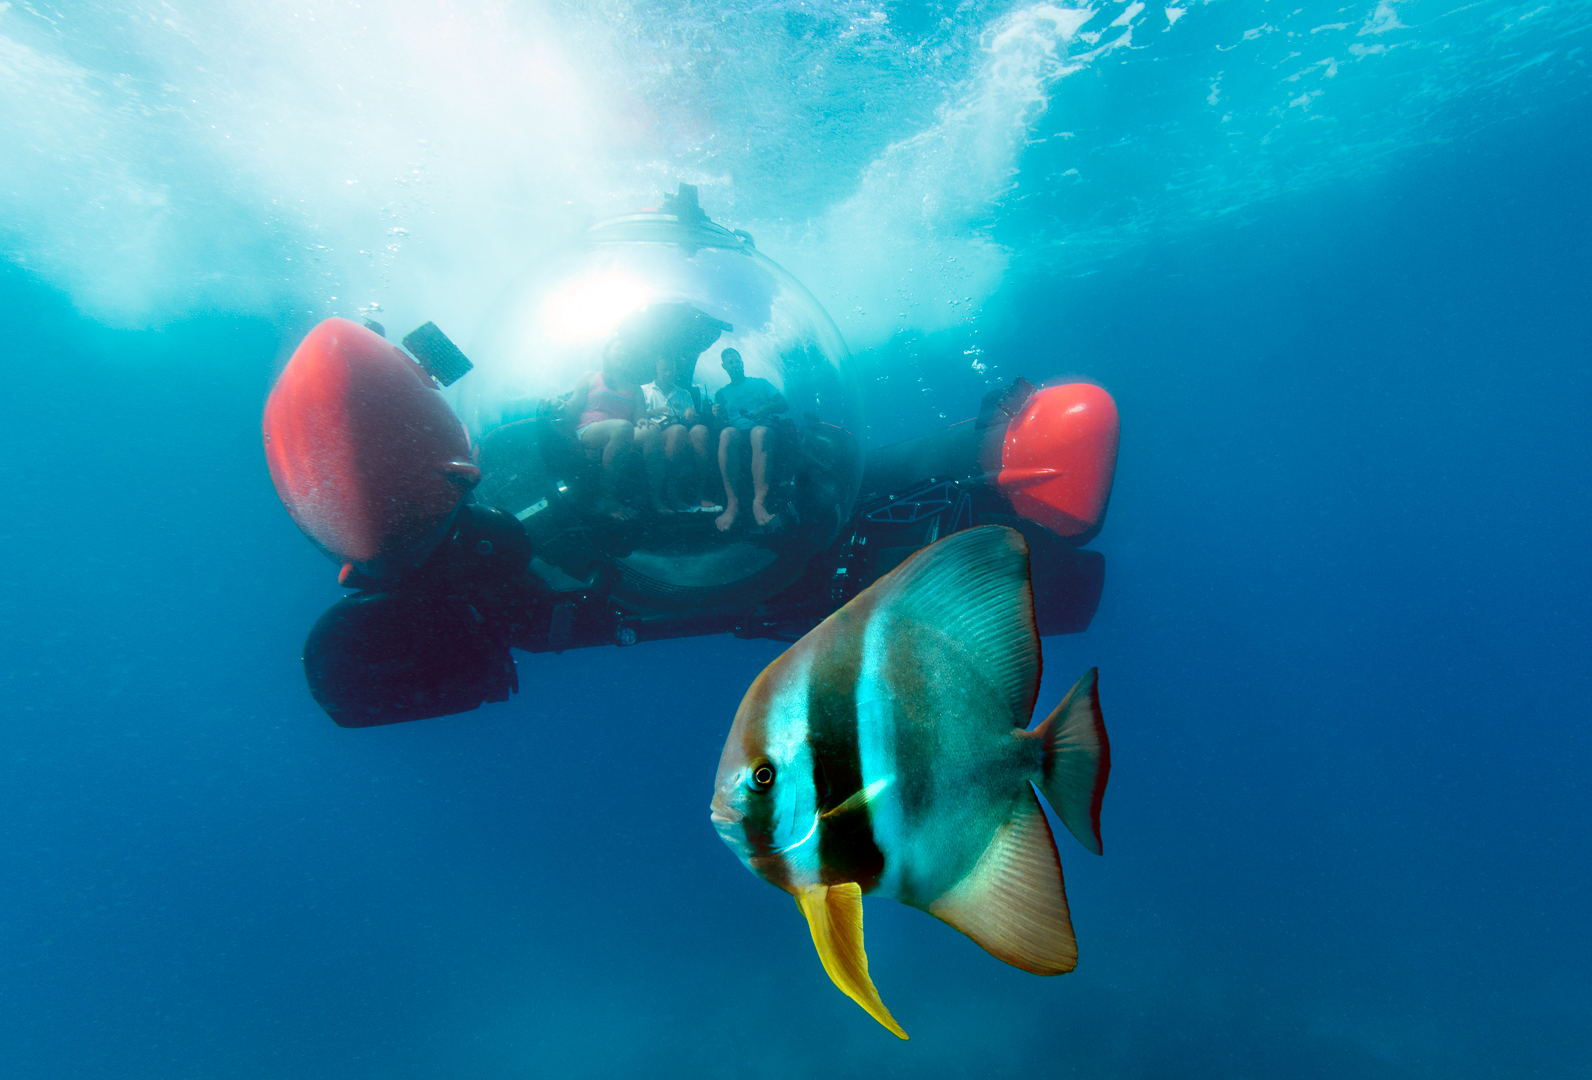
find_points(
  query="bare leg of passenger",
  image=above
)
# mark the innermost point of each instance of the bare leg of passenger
(760, 513)
(614, 456)
(703, 464)
(729, 460)
(674, 439)
(613, 439)
(652, 451)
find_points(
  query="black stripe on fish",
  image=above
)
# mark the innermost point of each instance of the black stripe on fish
(846, 847)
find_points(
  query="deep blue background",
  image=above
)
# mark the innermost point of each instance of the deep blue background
(1344, 664)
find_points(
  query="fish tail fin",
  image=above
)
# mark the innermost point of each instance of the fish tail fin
(1077, 760)
(834, 915)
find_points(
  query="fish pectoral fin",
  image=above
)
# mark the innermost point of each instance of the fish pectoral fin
(834, 915)
(859, 798)
(1013, 902)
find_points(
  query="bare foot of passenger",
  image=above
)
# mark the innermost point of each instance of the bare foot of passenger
(622, 513)
(726, 520)
(760, 515)
(661, 507)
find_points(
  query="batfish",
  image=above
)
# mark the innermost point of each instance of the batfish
(886, 753)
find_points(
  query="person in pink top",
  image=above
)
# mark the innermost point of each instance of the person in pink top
(605, 406)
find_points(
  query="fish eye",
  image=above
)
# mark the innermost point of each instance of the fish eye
(762, 775)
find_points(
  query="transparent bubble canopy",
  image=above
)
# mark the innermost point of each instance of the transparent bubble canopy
(587, 332)
(554, 326)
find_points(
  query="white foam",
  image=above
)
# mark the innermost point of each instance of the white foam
(246, 155)
(1384, 18)
(163, 157)
(913, 241)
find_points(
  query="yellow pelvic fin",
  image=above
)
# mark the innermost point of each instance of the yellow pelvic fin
(834, 915)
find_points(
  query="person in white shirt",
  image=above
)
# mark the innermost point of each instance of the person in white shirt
(672, 420)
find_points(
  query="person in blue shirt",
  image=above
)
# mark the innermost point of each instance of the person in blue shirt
(744, 408)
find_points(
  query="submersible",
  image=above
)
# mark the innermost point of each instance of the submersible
(470, 512)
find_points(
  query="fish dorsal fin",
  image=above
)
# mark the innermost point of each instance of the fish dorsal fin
(1013, 902)
(834, 915)
(973, 587)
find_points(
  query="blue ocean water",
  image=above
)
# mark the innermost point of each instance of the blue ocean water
(1334, 266)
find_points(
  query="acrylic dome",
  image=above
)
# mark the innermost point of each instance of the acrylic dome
(553, 327)
(556, 326)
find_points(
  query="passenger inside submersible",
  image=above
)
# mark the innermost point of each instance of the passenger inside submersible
(675, 419)
(612, 412)
(744, 407)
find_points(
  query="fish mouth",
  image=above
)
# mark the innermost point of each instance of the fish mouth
(724, 815)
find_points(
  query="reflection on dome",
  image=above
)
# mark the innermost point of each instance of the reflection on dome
(616, 387)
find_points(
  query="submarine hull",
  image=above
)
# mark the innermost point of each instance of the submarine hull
(486, 588)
